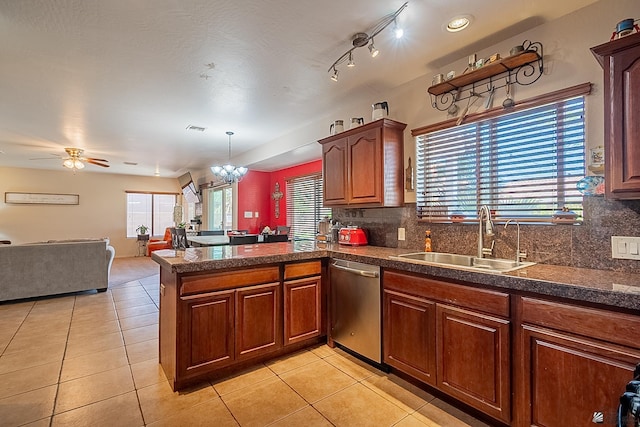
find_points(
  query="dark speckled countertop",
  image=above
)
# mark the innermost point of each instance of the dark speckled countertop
(618, 290)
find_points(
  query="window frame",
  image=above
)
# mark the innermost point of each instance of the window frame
(496, 114)
(319, 211)
(152, 232)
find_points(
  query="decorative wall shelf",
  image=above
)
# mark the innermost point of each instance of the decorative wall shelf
(523, 69)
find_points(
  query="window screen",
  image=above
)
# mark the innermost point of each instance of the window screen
(304, 206)
(522, 165)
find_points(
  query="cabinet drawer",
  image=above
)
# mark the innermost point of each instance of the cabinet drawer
(596, 323)
(483, 300)
(302, 269)
(228, 280)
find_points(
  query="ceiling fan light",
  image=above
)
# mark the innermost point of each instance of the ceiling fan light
(68, 163)
(78, 164)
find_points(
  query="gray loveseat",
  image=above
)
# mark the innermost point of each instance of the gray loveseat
(55, 267)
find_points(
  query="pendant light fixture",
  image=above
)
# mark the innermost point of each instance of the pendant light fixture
(364, 39)
(229, 173)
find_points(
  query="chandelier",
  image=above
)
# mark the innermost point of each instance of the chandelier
(229, 173)
(362, 39)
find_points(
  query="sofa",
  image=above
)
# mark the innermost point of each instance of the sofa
(54, 267)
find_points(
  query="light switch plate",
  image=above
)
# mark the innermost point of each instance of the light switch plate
(625, 247)
(248, 214)
(401, 234)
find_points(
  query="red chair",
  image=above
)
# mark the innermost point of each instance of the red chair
(157, 244)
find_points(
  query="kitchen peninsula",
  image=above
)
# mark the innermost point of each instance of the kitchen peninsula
(228, 307)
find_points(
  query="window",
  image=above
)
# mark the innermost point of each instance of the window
(304, 206)
(151, 209)
(522, 165)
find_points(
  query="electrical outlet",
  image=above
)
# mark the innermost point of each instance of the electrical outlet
(624, 247)
(401, 235)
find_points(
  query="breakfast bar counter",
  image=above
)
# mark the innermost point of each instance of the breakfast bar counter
(616, 289)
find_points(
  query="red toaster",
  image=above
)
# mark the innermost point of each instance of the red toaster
(354, 236)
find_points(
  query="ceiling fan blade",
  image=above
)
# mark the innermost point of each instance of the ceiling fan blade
(46, 158)
(97, 160)
(94, 162)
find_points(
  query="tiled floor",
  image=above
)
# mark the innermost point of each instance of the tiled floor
(92, 360)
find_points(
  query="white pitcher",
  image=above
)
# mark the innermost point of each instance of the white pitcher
(336, 127)
(356, 121)
(380, 110)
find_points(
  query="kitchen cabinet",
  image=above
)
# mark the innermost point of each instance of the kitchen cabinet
(303, 307)
(364, 167)
(574, 362)
(213, 322)
(453, 337)
(621, 62)
(258, 320)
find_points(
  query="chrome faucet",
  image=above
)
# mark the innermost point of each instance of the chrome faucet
(485, 214)
(518, 253)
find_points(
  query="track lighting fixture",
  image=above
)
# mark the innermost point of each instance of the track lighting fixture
(364, 39)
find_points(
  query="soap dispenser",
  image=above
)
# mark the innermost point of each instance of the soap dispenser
(427, 241)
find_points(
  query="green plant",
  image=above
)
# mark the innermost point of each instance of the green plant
(142, 229)
(182, 225)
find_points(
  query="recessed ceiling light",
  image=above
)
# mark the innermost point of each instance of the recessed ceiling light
(459, 23)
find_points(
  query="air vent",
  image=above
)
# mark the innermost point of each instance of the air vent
(130, 163)
(196, 128)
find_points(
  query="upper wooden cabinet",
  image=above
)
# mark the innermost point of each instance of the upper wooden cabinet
(364, 167)
(621, 62)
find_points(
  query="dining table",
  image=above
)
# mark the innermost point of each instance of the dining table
(197, 241)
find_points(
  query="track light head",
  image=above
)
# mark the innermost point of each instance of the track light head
(372, 49)
(334, 76)
(398, 31)
(351, 64)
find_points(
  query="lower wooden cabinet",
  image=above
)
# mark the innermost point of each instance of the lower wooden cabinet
(409, 335)
(258, 320)
(208, 339)
(474, 359)
(574, 363)
(462, 349)
(302, 309)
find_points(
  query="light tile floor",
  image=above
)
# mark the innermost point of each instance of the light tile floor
(91, 359)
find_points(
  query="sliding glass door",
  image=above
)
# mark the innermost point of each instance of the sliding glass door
(220, 208)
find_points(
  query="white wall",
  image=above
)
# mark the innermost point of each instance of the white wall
(102, 211)
(568, 62)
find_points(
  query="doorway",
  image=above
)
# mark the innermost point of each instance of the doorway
(220, 208)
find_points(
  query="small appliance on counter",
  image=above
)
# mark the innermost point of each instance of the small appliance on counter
(354, 236)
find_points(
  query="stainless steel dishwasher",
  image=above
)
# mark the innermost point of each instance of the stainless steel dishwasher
(355, 308)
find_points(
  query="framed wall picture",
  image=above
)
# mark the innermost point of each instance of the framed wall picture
(41, 198)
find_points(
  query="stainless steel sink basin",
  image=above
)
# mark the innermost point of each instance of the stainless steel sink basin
(465, 262)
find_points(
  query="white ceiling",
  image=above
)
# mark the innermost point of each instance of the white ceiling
(122, 79)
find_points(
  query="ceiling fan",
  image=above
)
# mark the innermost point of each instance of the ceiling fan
(75, 159)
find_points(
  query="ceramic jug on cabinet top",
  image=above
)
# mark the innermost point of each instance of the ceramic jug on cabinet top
(336, 127)
(356, 121)
(380, 110)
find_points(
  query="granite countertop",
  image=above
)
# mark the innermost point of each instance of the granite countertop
(619, 290)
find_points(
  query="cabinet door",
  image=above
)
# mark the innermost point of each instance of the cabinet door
(473, 360)
(258, 320)
(621, 61)
(206, 336)
(302, 309)
(567, 379)
(365, 167)
(334, 171)
(409, 335)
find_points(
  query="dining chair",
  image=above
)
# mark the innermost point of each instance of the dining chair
(283, 229)
(243, 240)
(212, 232)
(180, 239)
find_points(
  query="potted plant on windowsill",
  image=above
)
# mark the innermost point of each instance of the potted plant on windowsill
(143, 232)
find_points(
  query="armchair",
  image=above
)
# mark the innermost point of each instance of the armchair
(157, 244)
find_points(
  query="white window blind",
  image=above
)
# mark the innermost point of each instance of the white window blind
(522, 165)
(304, 206)
(153, 210)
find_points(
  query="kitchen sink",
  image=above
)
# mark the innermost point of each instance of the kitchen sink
(465, 262)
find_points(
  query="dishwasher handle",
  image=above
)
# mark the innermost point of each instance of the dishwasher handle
(359, 272)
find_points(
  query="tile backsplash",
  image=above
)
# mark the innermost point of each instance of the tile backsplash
(587, 245)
